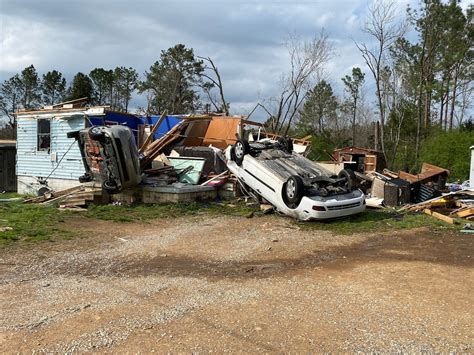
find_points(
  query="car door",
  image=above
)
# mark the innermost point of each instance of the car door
(262, 180)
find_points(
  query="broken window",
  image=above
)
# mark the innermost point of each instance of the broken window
(44, 134)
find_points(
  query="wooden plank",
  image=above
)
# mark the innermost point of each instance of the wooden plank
(466, 213)
(440, 216)
(153, 131)
(55, 195)
(61, 197)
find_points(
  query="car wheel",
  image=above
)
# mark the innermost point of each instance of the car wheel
(85, 178)
(350, 178)
(110, 186)
(241, 148)
(96, 133)
(286, 144)
(293, 190)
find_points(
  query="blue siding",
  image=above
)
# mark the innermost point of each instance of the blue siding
(31, 162)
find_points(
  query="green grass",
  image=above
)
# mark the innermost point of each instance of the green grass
(31, 222)
(34, 222)
(142, 213)
(379, 221)
(6, 195)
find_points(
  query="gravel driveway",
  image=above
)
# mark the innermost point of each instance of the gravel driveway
(234, 284)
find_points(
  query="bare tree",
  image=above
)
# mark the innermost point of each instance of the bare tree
(466, 95)
(383, 26)
(306, 60)
(212, 83)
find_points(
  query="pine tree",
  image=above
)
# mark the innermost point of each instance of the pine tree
(102, 81)
(353, 85)
(318, 110)
(81, 87)
(172, 79)
(53, 87)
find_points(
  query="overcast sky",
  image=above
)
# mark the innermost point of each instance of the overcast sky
(245, 38)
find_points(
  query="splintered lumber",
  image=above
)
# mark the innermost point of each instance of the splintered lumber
(466, 213)
(61, 195)
(54, 194)
(153, 131)
(215, 178)
(155, 148)
(439, 216)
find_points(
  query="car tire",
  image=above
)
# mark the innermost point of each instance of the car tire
(240, 149)
(351, 179)
(110, 186)
(85, 178)
(96, 133)
(293, 190)
(286, 144)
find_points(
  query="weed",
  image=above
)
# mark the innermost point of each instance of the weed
(378, 221)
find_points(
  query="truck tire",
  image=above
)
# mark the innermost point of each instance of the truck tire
(110, 186)
(293, 190)
(240, 149)
(96, 133)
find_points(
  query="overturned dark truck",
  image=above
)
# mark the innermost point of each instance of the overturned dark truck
(110, 156)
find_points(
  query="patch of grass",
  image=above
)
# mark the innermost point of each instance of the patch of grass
(7, 195)
(31, 222)
(379, 221)
(142, 213)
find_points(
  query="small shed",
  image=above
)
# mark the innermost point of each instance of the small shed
(365, 159)
(7, 165)
(44, 152)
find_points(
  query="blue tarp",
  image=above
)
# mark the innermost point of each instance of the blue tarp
(111, 118)
(132, 122)
(168, 123)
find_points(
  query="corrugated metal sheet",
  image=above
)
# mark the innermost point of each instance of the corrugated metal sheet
(31, 162)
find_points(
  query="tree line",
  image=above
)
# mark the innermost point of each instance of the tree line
(422, 68)
(175, 82)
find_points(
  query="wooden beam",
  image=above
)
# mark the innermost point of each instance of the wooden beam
(153, 130)
(439, 216)
(466, 213)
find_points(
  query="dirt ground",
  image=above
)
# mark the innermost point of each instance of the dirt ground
(235, 284)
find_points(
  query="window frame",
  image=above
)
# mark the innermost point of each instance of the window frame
(42, 134)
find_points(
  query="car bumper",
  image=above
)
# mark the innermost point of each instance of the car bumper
(330, 207)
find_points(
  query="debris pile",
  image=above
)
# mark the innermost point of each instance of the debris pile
(202, 152)
(79, 196)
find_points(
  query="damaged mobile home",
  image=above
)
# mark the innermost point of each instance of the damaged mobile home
(46, 158)
(188, 160)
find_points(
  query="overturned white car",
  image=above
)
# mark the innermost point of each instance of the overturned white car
(293, 184)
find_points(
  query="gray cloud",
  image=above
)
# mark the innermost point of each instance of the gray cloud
(245, 38)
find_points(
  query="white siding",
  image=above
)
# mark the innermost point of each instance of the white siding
(31, 162)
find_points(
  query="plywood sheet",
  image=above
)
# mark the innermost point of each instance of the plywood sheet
(221, 132)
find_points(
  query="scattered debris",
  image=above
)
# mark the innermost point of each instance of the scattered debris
(440, 216)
